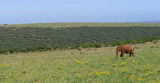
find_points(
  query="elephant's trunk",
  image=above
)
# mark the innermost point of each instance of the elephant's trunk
(117, 52)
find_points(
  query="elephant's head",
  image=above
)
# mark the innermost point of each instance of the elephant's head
(119, 48)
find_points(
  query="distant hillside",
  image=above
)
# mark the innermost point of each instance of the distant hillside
(27, 37)
(149, 22)
(73, 25)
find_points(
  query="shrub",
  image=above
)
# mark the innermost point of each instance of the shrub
(97, 45)
(87, 45)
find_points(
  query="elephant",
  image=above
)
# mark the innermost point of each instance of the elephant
(125, 49)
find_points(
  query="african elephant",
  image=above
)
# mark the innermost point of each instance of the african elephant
(125, 49)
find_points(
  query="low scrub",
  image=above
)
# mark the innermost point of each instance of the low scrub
(85, 45)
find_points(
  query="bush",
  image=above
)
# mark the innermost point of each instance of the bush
(23, 50)
(87, 45)
(97, 45)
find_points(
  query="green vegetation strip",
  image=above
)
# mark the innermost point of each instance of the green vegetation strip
(85, 45)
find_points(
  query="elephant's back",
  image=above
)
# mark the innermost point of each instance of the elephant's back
(128, 47)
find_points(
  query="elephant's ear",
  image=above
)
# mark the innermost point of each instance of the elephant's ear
(121, 48)
(118, 47)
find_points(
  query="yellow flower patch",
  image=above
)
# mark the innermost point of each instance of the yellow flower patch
(147, 67)
(78, 75)
(90, 74)
(134, 61)
(97, 73)
(113, 65)
(6, 76)
(148, 73)
(140, 79)
(132, 76)
(158, 54)
(29, 63)
(149, 43)
(123, 63)
(124, 70)
(105, 72)
(3, 65)
(78, 62)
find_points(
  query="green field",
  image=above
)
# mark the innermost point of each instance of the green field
(91, 65)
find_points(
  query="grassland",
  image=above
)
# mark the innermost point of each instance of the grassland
(74, 25)
(92, 65)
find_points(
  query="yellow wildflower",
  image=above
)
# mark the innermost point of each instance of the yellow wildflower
(3, 65)
(134, 61)
(132, 76)
(78, 62)
(149, 43)
(89, 74)
(113, 65)
(78, 75)
(105, 72)
(29, 63)
(140, 79)
(123, 63)
(147, 67)
(6, 76)
(148, 73)
(158, 54)
(97, 73)
(124, 70)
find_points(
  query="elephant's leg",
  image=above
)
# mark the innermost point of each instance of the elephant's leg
(121, 55)
(130, 54)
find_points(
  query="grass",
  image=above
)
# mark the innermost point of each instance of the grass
(91, 65)
(66, 25)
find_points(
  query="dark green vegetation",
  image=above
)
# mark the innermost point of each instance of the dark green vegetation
(32, 39)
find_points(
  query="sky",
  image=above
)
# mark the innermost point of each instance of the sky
(54, 11)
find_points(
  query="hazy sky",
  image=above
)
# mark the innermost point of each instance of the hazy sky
(49, 11)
